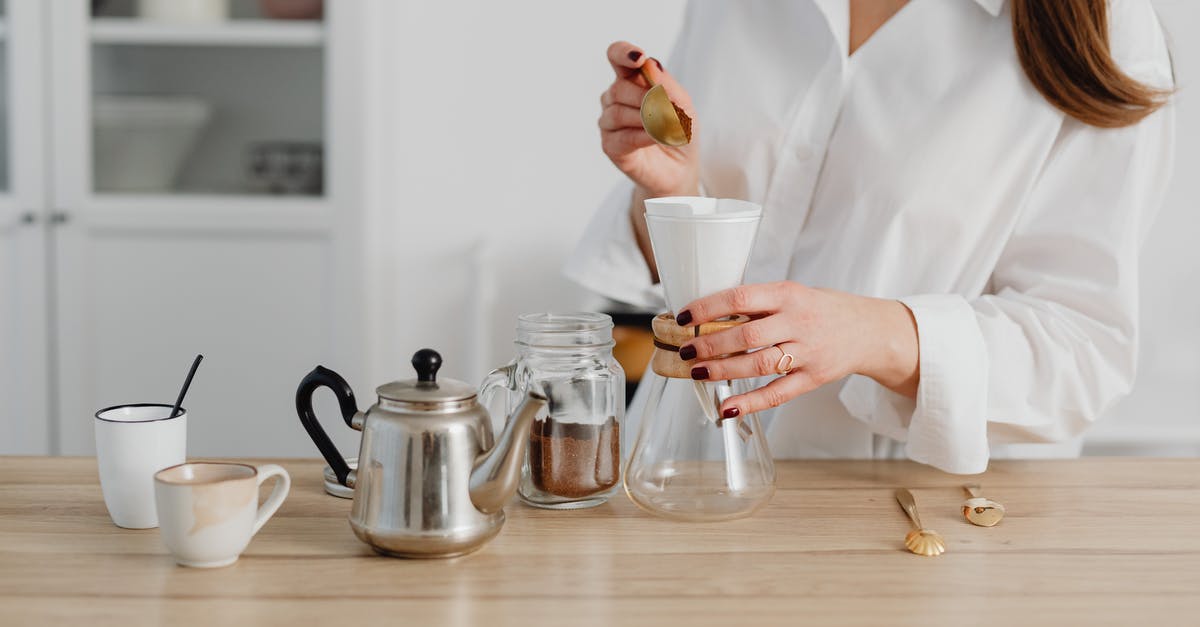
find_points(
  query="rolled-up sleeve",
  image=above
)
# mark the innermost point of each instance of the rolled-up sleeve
(1052, 344)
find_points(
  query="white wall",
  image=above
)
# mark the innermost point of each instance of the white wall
(490, 157)
(1162, 416)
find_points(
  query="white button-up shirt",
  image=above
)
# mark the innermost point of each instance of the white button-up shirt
(924, 167)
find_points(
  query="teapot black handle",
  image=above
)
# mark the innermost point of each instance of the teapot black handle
(324, 377)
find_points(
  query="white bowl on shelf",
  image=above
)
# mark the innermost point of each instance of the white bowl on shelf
(140, 143)
(184, 11)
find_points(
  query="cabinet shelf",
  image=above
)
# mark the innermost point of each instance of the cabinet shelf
(208, 212)
(244, 33)
(198, 201)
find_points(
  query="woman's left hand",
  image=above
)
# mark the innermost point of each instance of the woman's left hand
(828, 334)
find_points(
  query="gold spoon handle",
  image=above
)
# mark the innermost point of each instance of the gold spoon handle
(909, 505)
(650, 81)
(973, 490)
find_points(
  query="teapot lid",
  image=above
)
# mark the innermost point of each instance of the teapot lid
(426, 388)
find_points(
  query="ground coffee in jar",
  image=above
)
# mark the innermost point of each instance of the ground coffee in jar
(572, 459)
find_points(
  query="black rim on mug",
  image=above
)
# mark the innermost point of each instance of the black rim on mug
(182, 412)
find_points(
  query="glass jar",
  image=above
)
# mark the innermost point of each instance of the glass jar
(574, 454)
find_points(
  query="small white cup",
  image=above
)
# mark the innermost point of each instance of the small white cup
(208, 511)
(132, 443)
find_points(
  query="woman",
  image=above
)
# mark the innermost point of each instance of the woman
(954, 196)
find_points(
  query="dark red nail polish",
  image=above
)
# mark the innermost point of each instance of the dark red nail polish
(656, 62)
(684, 318)
(634, 55)
(700, 373)
(687, 353)
(732, 412)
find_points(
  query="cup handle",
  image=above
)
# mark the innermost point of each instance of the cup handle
(501, 378)
(283, 485)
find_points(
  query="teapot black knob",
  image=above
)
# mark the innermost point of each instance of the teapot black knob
(427, 361)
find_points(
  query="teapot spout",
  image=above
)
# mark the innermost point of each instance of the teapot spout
(496, 473)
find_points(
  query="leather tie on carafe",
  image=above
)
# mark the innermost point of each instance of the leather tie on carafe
(669, 336)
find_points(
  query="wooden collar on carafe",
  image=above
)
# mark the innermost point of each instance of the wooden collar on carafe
(669, 336)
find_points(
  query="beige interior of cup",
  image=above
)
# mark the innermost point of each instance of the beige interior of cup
(197, 473)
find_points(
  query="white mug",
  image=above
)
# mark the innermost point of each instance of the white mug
(132, 443)
(208, 511)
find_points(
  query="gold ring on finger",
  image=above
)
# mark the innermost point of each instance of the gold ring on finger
(786, 362)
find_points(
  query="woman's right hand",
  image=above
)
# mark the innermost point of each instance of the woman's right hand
(657, 170)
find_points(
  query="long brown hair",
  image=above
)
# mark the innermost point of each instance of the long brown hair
(1063, 47)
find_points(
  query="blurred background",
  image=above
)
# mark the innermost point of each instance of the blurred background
(283, 183)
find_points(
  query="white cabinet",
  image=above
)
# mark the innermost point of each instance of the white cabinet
(24, 398)
(136, 274)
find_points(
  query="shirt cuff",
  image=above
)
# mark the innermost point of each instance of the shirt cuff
(946, 427)
(609, 261)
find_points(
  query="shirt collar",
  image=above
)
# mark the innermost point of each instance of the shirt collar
(837, 14)
(991, 6)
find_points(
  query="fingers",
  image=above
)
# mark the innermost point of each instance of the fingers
(624, 141)
(773, 394)
(743, 337)
(619, 116)
(653, 68)
(625, 58)
(744, 299)
(757, 364)
(624, 92)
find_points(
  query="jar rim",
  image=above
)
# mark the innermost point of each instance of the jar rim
(564, 331)
(567, 322)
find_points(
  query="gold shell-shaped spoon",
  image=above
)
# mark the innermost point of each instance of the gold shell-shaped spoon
(921, 541)
(664, 122)
(981, 511)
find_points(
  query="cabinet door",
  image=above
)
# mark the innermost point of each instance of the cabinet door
(24, 412)
(206, 262)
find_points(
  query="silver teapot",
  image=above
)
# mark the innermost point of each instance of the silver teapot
(430, 482)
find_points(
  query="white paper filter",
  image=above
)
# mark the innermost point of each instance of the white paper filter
(701, 245)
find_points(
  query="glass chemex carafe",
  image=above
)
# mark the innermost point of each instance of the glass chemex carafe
(688, 462)
(574, 454)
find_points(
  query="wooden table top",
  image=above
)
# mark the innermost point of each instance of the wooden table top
(1096, 541)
